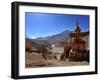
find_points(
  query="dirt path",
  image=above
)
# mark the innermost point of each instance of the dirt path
(58, 49)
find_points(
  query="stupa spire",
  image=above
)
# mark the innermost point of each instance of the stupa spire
(78, 29)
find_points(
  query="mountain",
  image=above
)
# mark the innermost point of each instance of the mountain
(58, 39)
(35, 44)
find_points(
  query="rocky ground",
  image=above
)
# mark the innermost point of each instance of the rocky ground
(53, 60)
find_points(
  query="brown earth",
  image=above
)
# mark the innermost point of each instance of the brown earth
(53, 60)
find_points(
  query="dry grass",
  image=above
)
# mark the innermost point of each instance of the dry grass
(36, 60)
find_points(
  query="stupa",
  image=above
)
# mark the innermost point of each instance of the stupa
(76, 50)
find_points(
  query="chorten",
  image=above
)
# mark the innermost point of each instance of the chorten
(76, 39)
(76, 50)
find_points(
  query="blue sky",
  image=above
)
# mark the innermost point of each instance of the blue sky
(47, 24)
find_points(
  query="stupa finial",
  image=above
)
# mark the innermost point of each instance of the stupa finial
(77, 27)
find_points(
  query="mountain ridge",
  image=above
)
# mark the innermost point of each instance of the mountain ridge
(47, 37)
(57, 39)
